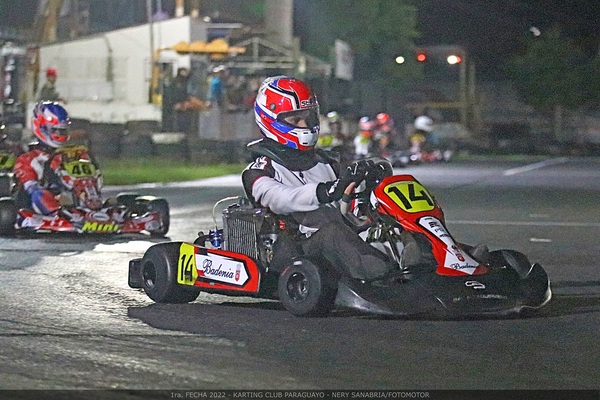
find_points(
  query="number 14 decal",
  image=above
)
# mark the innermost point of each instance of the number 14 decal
(410, 196)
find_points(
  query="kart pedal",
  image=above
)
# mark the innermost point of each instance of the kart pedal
(135, 273)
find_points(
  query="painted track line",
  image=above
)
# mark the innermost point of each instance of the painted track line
(538, 165)
(528, 223)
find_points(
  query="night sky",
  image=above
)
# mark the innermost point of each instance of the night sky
(490, 30)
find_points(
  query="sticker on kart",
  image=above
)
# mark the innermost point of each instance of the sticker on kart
(216, 269)
(100, 227)
(411, 196)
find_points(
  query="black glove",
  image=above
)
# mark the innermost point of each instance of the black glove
(334, 190)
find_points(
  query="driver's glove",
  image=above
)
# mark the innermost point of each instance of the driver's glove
(334, 190)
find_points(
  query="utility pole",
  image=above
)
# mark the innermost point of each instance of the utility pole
(47, 18)
(179, 8)
(152, 53)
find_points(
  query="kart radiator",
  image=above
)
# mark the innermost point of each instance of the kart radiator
(241, 230)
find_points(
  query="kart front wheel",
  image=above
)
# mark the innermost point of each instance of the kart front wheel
(6, 184)
(8, 216)
(159, 275)
(305, 290)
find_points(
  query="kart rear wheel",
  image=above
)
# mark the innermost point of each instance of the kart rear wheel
(159, 275)
(162, 207)
(8, 216)
(306, 290)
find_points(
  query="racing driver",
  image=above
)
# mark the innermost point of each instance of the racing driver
(35, 170)
(293, 179)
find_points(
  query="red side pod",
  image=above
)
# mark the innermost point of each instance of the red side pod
(410, 203)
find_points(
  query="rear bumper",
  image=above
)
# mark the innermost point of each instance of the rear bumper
(134, 278)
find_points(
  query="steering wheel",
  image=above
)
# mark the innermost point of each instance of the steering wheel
(360, 191)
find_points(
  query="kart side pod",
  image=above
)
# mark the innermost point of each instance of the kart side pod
(176, 272)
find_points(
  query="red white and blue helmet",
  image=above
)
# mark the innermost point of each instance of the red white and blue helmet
(385, 122)
(280, 98)
(365, 124)
(51, 123)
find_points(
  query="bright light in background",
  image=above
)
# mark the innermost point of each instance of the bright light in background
(400, 60)
(421, 57)
(454, 59)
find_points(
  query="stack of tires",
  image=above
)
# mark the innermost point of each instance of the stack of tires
(171, 145)
(137, 138)
(105, 140)
(208, 151)
(80, 131)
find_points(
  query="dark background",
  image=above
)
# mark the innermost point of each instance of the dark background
(491, 31)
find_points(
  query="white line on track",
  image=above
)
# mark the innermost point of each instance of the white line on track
(221, 181)
(538, 165)
(528, 223)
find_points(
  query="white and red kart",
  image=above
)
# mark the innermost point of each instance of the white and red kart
(83, 209)
(451, 282)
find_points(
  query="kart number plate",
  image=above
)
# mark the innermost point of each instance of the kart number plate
(80, 169)
(412, 197)
(186, 266)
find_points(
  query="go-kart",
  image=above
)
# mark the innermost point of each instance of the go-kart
(435, 274)
(404, 158)
(83, 209)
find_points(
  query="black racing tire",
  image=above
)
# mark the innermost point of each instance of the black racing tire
(159, 275)
(162, 206)
(8, 216)
(6, 185)
(306, 290)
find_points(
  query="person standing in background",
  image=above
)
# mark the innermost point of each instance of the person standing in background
(216, 95)
(176, 96)
(48, 91)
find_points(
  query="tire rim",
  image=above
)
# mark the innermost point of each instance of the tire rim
(297, 287)
(149, 275)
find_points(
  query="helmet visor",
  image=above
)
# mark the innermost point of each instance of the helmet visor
(59, 134)
(305, 118)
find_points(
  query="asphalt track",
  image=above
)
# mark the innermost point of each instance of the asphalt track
(68, 320)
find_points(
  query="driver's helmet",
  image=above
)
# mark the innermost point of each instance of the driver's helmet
(385, 122)
(424, 123)
(283, 106)
(51, 123)
(333, 117)
(365, 124)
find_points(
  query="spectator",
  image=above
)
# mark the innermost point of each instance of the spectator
(48, 91)
(216, 95)
(178, 103)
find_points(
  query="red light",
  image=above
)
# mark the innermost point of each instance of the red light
(421, 57)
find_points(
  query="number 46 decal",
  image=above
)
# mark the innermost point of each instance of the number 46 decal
(410, 196)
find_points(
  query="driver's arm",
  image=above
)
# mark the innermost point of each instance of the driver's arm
(274, 189)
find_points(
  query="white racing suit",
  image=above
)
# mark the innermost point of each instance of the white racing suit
(287, 182)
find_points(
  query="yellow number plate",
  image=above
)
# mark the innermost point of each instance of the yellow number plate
(412, 197)
(186, 266)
